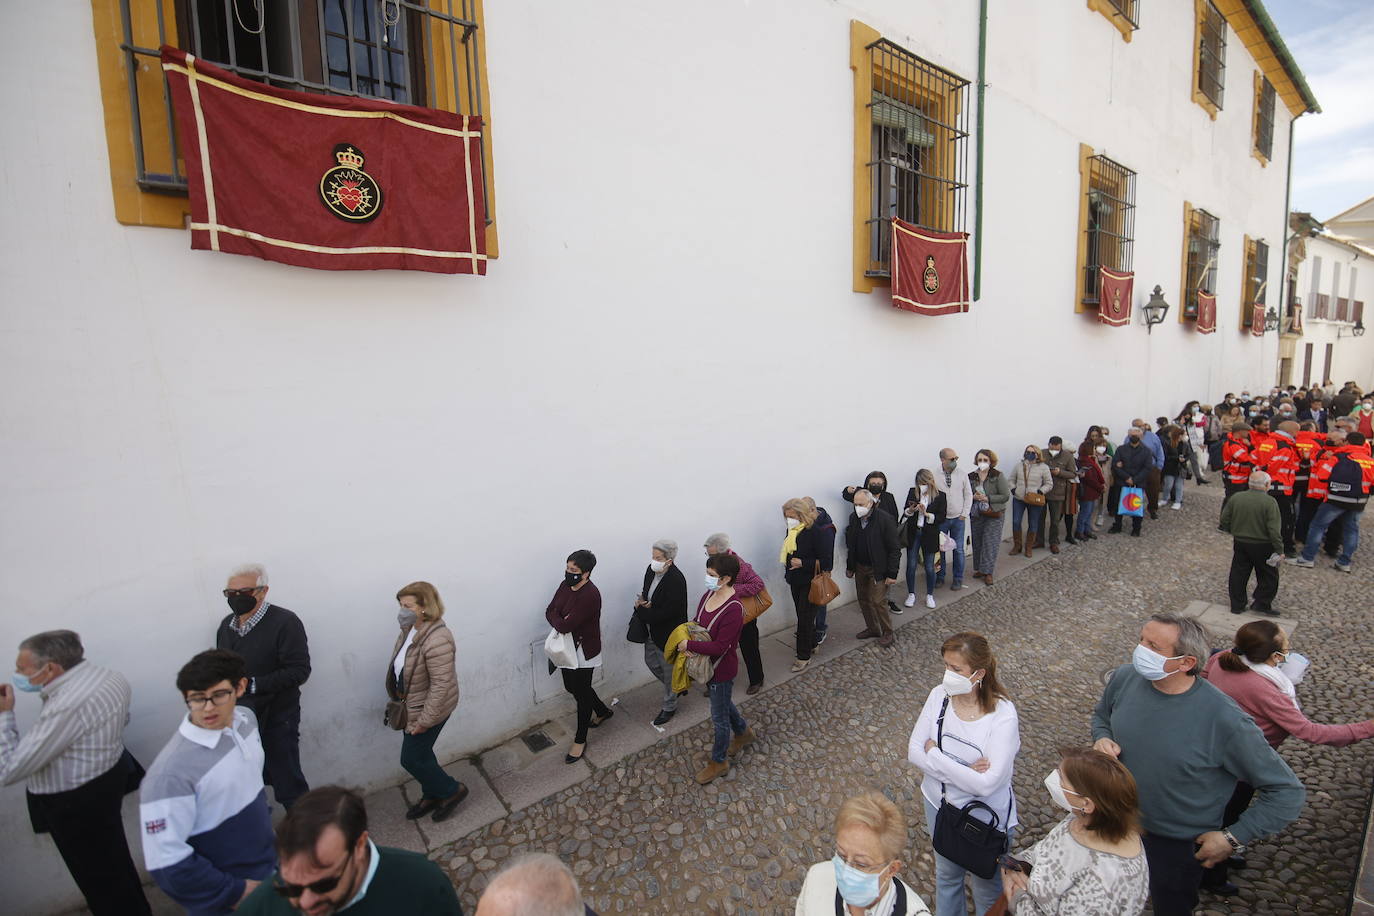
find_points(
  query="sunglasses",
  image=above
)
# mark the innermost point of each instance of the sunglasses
(318, 888)
(232, 592)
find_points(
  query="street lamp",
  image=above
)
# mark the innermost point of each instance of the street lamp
(1356, 331)
(1155, 310)
(1271, 320)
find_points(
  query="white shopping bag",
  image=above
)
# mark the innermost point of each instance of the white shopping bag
(561, 649)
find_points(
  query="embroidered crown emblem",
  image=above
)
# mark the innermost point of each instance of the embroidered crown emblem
(349, 158)
(347, 191)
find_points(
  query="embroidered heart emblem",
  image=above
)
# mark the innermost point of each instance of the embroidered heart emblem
(349, 195)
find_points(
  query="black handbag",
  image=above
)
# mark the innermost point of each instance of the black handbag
(968, 841)
(637, 631)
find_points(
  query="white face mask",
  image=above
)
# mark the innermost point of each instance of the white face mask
(793, 522)
(861, 511)
(657, 565)
(923, 489)
(1054, 453)
(1100, 449)
(1056, 788)
(984, 465)
(955, 684)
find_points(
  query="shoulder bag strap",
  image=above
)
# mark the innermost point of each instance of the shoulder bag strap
(940, 738)
(1025, 480)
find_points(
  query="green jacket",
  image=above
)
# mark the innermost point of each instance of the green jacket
(405, 882)
(1253, 516)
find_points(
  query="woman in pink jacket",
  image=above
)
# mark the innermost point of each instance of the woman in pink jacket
(1259, 673)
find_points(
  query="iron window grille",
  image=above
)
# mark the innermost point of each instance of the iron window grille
(1128, 10)
(1264, 120)
(1204, 242)
(918, 170)
(406, 51)
(1211, 75)
(1111, 222)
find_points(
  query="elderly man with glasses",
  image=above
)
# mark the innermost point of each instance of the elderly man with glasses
(207, 831)
(272, 642)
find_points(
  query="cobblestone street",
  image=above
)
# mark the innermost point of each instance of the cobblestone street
(644, 838)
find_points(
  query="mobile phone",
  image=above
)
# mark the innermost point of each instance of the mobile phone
(1013, 864)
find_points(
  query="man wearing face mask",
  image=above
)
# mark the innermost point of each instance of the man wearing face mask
(1130, 466)
(876, 483)
(1185, 781)
(273, 644)
(1153, 477)
(1064, 473)
(958, 503)
(77, 769)
(873, 562)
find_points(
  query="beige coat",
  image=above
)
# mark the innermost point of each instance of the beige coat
(1037, 475)
(428, 674)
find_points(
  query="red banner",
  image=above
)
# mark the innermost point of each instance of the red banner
(330, 182)
(1206, 313)
(929, 270)
(1257, 319)
(1114, 297)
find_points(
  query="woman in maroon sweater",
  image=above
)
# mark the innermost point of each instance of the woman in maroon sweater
(1252, 674)
(721, 613)
(576, 609)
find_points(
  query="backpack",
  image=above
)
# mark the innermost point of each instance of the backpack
(1346, 483)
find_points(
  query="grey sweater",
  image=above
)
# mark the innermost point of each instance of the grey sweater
(1209, 743)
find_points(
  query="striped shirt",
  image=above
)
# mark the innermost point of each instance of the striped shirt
(79, 734)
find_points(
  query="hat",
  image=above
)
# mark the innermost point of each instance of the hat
(1241, 428)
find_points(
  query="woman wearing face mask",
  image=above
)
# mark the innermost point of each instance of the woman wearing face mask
(1030, 476)
(876, 483)
(862, 879)
(421, 674)
(990, 497)
(1259, 672)
(1091, 486)
(576, 609)
(1092, 863)
(922, 518)
(662, 606)
(807, 547)
(721, 613)
(1363, 413)
(1102, 450)
(1176, 452)
(966, 741)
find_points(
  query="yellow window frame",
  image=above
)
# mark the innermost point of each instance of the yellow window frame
(1115, 16)
(1090, 180)
(1200, 25)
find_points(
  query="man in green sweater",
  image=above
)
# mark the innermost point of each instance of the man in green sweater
(1187, 744)
(1253, 520)
(329, 865)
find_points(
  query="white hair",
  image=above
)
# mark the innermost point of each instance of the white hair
(1259, 481)
(251, 569)
(667, 547)
(534, 885)
(719, 541)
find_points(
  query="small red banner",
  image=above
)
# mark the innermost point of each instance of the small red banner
(929, 270)
(1206, 313)
(1257, 320)
(329, 182)
(1114, 297)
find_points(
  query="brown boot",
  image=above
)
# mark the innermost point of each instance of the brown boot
(1054, 548)
(740, 742)
(1030, 542)
(712, 770)
(1015, 543)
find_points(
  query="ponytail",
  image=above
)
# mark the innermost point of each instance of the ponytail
(1255, 642)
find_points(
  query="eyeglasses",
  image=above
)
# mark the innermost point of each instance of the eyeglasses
(232, 592)
(218, 698)
(866, 869)
(318, 888)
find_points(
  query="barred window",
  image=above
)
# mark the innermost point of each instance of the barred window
(1264, 118)
(1204, 234)
(1110, 229)
(1211, 72)
(918, 163)
(1255, 280)
(1128, 10)
(416, 52)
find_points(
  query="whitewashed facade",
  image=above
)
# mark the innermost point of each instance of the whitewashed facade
(1333, 281)
(668, 345)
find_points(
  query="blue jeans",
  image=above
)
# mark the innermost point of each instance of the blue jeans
(417, 756)
(1086, 507)
(954, 527)
(821, 625)
(928, 560)
(1019, 509)
(725, 717)
(1172, 490)
(1329, 513)
(950, 899)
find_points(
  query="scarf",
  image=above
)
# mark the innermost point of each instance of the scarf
(789, 543)
(1275, 676)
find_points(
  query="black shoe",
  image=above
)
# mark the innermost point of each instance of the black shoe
(892, 606)
(1115, 529)
(447, 806)
(1290, 554)
(1237, 610)
(421, 808)
(598, 721)
(1135, 532)
(1267, 611)
(1237, 862)
(1070, 541)
(754, 688)
(569, 758)
(664, 717)
(1222, 890)
(1089, 535)
(820, 637)
(1154, 515)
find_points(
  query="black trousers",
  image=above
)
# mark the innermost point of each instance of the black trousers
(1232, 489)
(1287, 522)
(749, 650)
(1247, 557)
(1153, 481)
(806, 620)
(1113, 503)
(1240, 800)
(281, 743)
(1174, 874)
(88, 829)
(578, 682)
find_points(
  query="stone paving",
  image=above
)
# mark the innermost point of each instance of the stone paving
(644, 838)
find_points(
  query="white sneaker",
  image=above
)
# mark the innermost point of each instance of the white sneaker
(1097, 523)
(910, 599)
(930, 600)
(1176, 506)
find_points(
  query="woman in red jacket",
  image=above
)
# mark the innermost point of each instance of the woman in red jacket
(1091, 486)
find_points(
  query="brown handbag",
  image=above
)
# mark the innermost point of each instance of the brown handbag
(755, 605)
(823, 588)
(1031, 499)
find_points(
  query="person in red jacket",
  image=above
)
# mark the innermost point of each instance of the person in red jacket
(1282, 465)
(1091, 486)
(1347, 473)
(1237, 462)
(1309, 443)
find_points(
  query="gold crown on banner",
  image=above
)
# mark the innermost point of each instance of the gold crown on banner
(349, 158)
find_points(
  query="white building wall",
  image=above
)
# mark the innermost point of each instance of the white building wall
(667, 346)
(1352, 358)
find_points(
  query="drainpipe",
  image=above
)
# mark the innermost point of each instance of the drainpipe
(978, 164)
(1283, 290)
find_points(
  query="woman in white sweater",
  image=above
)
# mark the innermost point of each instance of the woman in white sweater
(861, 879)
(966, 741)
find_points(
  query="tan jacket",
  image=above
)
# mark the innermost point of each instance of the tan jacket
(431, 684)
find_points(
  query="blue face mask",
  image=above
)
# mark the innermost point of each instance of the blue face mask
(856, 887)
(22, 682)
(1150, 664)
(712, 583)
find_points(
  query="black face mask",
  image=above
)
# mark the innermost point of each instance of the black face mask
(876, 488)
(571, 578)
(241, 604)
